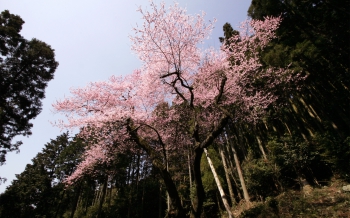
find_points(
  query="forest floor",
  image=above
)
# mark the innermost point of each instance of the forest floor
(326, 201)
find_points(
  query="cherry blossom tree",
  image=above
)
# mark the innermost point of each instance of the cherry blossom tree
(182, 97)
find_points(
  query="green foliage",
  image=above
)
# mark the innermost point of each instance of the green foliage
(317, 156)
(334, 153)
(253, 212)
(38, 191)
(262, 177)
(308, 136)
(294, 157)
(26, 67)
(290, 152)
(228, 32)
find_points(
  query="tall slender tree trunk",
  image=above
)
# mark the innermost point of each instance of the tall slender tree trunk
(137, 178)
(138, 170)
(168, 200)
(190, 176)
(189, 167)
(240, 175)
(261, 147)
(239, 171)
(110, 196)
(97, 196)
(59, 204)
(218, 183)
(102, 199)
(160, 201)
(128, 172)
(145, 168)
(236, 185)
(75, 205)
(227, 175)
(142, 198)
(218, 203)
(230, 158)
(131, 185)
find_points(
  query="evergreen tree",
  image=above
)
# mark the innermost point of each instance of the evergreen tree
(26, 66)
(39, 190)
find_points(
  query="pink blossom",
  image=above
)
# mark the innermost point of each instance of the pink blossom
(177, 81)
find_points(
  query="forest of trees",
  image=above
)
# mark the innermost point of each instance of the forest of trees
(187, 136)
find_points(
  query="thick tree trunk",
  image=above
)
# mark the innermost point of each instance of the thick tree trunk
(218, 183)
(176, 209)
(200, 194)
(200, 145)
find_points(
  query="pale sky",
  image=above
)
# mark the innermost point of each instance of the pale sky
(91, 43)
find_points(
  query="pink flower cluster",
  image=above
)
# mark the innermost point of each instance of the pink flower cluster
(175, 72)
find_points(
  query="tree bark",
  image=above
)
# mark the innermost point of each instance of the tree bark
(167, 168)
(261, 147)
(189, 167)
(227, 175)
(239, 171)
(160, 202)
(240, 175)
(60, 202)
(231, 166)
(176, 210)
(75, 205)
(99, 213)
(200, 194)
(199, 146)
(218, 183)
(131, 185)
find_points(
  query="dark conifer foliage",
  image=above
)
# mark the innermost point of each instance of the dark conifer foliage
(38, 191)
(128, 187)
(26, 66)
(228, 32)
(314, 39)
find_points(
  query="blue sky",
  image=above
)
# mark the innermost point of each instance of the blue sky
(91, 43)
